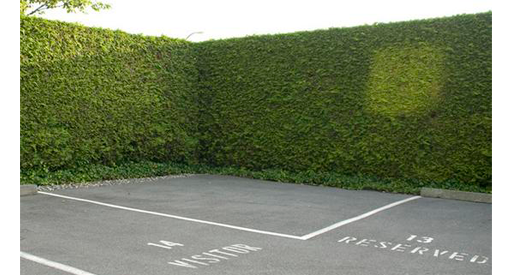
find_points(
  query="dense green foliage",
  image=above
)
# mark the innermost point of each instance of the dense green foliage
(91, 95)
(391, 107)
(409, 100)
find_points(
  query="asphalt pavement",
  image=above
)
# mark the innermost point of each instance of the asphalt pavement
(205, 224)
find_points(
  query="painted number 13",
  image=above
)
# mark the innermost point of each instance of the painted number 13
(420, 239)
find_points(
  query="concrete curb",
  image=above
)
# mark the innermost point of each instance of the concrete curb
(28, 189)
(456, 195)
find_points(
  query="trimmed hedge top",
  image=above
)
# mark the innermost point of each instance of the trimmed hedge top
(408, 100)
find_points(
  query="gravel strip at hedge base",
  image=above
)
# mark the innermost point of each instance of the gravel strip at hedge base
(47, 188)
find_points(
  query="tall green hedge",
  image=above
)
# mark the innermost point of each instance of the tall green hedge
(402, 100)
(408, 100)
(91, 95)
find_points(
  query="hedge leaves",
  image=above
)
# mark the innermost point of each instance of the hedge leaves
(408, 100)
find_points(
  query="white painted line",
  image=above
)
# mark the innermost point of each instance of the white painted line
(53, 264)
(175, 217)
(360, 217)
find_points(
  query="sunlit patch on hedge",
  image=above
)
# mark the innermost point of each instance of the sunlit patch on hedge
(405, 80)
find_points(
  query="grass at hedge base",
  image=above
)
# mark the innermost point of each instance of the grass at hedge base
(98, 172)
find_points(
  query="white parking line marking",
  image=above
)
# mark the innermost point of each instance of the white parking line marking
(175, 217)
(305, 237)
(360, 217)
(53, 264)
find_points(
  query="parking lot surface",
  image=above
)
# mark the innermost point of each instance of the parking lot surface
(205, 224)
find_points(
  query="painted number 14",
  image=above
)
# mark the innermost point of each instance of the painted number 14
(420, 239)
(165, 244)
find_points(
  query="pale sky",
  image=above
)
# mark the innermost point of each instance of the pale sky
(224, 18)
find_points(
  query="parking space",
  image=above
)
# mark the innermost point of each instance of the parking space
(228, 225)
